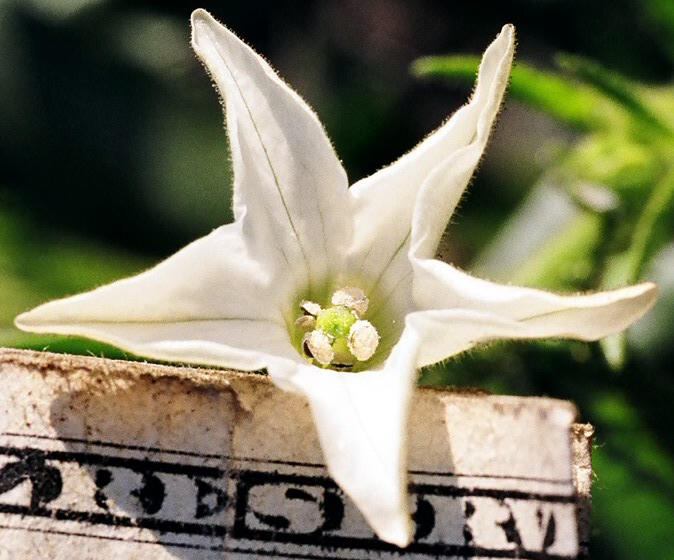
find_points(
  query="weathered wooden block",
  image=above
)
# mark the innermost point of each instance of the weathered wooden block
(111, 459)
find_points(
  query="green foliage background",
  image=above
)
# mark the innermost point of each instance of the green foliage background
(113, 156)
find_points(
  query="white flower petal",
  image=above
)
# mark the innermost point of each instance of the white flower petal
(231, 343)
(361, 420)
(192, 290)
(474, 310)
(438, 285)
(289, 187)
(443, 187)
(385, 201)
(214, 277)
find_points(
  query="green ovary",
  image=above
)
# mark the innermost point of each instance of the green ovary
(336, 321)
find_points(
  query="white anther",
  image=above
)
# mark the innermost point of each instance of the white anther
(305, 322)
(363, 340)
(353, 298)
(310, 308)
(317, 346)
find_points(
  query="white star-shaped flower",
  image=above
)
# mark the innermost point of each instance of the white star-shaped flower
(333, 290)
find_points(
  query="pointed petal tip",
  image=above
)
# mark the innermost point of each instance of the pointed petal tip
(200, 15)
(203, 23)
(399, 534)
(394, 527)
(53, 316)
(508, 29)
(200, 18)
(21, 322)
(29, 321)
(507, 34)
(621, 307)
(36, 321)
(647, 287)
(42, 320)
(645, 294)
(505, 44)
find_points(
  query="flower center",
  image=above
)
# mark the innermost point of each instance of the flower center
(338, 336)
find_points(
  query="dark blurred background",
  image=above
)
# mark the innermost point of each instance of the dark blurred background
(113, 156)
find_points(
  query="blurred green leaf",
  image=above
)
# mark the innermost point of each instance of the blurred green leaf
(649, 234)
(615, 87)
(550, 242)
(622, 164)
(565, 260)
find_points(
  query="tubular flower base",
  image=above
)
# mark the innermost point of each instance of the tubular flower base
(333, 290)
